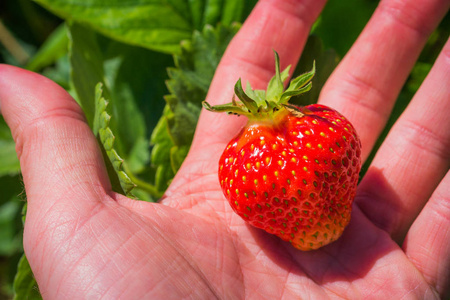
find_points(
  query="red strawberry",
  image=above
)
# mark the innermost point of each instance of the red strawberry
(291, 171)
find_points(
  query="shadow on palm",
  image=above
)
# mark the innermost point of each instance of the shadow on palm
(354, 255)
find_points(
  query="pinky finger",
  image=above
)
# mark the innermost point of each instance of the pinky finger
(428, 241)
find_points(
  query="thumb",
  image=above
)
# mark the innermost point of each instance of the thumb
(61, 163)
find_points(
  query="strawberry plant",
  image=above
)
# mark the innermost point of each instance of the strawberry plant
(291, 170)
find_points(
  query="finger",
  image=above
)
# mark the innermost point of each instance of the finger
(277, 25)
(273, 25)
(58, 153)
(413, 158)
(428, 242)
(367, 82)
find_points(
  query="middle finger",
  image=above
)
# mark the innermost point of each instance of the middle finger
(366, 83)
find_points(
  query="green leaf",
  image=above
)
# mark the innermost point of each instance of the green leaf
(249, 91)
(9, 163)
(161, 138)
(102, 130)
(188, 85)
(248, 102)
(302, 80)
(260, 95)
(177, 156)
(161, 152)
(133, 81)
(159, 25)
(86, 60)
(180, 123)
(135, 78)
(275, 87)
(232, 107)
(299, 85)
(25, 286)
(121, 177)
(288, 94)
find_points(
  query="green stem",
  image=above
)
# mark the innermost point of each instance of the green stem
(147, 187)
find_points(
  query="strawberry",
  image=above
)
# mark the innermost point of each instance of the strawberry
(291, 170)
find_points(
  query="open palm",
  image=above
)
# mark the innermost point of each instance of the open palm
(84, 241)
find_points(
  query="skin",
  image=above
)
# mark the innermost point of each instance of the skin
(84, 241)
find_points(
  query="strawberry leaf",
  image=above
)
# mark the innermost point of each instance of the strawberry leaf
(299, 85)
(120, 181)
(134, 93)
(229, 107)
(275, 87)
(159, 25)
(288, 94)
(302, 80)
(251, 104)
(160, 158)
(188, 84)
(86, 60)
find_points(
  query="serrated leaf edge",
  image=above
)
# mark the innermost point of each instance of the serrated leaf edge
(107, 138)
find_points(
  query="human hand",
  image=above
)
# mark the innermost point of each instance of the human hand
(84, 241)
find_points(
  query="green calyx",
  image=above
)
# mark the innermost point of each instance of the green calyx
(260, 104)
